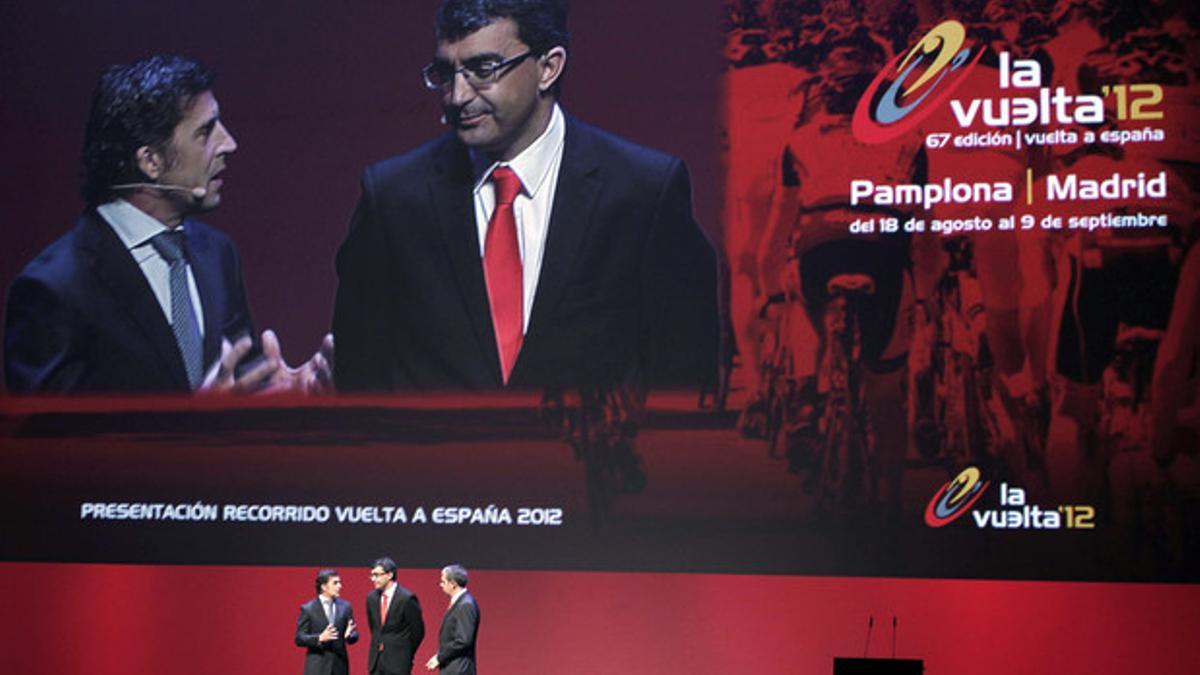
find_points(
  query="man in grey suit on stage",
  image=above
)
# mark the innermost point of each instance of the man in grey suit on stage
(460, 626)
(325, 627)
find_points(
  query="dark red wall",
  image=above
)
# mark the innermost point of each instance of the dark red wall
(121, 620)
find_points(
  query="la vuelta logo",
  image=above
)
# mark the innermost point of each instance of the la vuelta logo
(917, 83)
(955, 498)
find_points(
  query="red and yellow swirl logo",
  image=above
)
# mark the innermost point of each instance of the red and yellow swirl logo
(917, 84)
(955, 498)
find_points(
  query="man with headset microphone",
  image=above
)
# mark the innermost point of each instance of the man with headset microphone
(139, 296)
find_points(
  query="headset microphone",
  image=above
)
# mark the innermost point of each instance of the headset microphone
(196, 192)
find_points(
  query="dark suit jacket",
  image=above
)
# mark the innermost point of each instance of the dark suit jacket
(456, 641)
(628, 280)
(328, 658)
(394, 644)
(81, 316)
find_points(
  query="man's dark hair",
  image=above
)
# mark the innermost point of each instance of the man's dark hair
(324, 576)
(541, 24)
(387, 564)
(135, 105)
(457, 574)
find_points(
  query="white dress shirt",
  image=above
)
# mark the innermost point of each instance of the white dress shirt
(537, 167)
(135, 229)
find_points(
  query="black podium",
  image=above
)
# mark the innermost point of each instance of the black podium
(848, 666)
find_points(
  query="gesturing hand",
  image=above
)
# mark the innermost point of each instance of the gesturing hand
(223, 378)
(314, 376)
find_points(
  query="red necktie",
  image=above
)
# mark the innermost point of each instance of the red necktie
(382, 609)
(502, 270)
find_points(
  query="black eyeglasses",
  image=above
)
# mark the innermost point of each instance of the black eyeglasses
(480, 73)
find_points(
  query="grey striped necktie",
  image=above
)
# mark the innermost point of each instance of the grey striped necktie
(183, 316)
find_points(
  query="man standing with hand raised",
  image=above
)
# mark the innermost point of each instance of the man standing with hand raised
(325, 627)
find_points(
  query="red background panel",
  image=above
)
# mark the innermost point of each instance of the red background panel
(110, 619)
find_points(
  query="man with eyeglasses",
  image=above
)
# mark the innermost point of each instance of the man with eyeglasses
(525, 248)
(394, 617)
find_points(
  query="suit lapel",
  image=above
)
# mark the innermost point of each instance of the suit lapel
(116, 270)
(317, 609)
(339, 614)
(373, 610)
(570, 217)
(391, 605)
(451, 191)
(206, 269)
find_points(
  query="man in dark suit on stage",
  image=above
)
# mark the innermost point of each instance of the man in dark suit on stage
(460, 626)
(325, 627)
(394, 615)
(525, 248)
(140, 296)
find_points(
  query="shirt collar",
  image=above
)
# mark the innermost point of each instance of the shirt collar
(533, 165)
(133, 226)
(457, 594)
